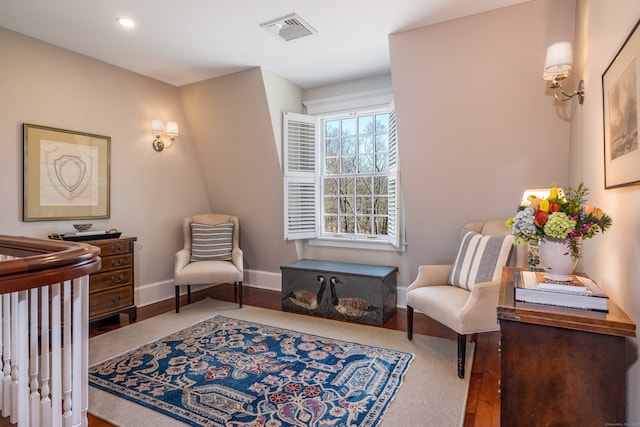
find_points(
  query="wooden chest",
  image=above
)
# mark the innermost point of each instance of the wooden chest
(111, 287)
(356, 292)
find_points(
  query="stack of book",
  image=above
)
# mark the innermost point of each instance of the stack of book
(580, 292)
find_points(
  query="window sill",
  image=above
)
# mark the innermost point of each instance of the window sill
(375, 245)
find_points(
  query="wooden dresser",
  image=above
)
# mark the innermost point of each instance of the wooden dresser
(560, 366)
(111, 287)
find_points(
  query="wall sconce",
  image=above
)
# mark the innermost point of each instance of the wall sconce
(556, 68)
(157, 127)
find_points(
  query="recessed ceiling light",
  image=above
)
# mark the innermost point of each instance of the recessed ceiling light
(126, 22)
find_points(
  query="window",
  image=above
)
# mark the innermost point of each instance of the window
(354, 173)
(341, 176)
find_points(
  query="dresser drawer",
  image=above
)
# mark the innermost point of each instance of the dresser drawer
(111, 300)
(116, 261)
(111, 289)
(113, 247)
(110, 279)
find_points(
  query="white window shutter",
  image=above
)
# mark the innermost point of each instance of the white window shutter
(393, 141)
(393, 180)
(300, 177)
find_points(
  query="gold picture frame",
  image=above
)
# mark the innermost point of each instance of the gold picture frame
(66, 174)
(620, 86)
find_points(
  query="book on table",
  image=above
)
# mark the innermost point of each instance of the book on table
(581, 292)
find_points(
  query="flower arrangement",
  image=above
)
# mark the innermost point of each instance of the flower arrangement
(561, 216)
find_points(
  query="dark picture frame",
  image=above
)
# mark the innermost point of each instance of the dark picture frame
(66, 174)
(620, 85)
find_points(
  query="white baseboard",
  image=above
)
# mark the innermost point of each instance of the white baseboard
(160, 291)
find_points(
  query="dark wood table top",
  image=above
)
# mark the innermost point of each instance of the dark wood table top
(615, 322)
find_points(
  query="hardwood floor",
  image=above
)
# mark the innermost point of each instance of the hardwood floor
(483, 402)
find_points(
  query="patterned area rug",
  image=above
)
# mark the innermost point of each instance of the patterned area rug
(228, 372)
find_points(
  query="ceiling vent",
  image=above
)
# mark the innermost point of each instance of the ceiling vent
(289, 27)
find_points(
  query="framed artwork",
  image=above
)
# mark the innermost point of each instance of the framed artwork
(65, 174)
(620, 84)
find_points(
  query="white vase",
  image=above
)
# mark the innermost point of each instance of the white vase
(556, 258)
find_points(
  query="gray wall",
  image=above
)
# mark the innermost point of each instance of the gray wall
(476, 125)
(150, 192)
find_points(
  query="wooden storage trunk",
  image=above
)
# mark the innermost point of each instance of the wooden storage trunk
(356, 292)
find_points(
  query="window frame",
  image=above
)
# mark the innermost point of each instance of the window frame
(305, 221)
(322, 176)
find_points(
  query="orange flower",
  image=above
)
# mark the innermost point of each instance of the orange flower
(597, 213)
(534, 201)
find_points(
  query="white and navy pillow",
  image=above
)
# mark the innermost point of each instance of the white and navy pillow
(211, 241)
(480, 259)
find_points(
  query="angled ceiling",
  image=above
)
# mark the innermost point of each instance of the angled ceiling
(183, 41)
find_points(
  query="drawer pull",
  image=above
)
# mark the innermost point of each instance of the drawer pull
(116, 299)
(118, 279)
(117, 263)
(117, 248)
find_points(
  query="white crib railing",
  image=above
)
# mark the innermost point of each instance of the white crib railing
(44, 331)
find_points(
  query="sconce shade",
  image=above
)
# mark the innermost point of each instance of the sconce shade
(541, 193)
(559, 60)
(157, 129)
(172, 129)
(156, 126)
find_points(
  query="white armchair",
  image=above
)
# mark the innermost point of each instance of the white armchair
(468, 307)
(211, 256)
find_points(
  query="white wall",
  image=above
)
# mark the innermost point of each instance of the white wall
(613, 260)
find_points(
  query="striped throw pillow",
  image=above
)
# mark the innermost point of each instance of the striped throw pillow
(211, 241)
(480, 259)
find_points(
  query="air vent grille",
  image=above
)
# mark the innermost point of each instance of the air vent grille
(289, 27)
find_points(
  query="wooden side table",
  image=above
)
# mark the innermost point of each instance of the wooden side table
(560, 366)
(111, 289)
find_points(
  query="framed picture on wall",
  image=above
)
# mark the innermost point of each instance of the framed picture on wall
(620, 85)
(65, 174)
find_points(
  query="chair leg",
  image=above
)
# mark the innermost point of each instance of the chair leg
(237, 289)
(462, 352)
(177, 298)
(188, 294)
(409, 322)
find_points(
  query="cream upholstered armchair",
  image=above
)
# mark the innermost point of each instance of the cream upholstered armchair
(211, 254)
(464, 295)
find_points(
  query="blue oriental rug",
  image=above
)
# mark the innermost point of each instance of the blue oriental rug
(228, 372)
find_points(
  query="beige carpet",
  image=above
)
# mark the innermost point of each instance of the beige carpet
(431, 393)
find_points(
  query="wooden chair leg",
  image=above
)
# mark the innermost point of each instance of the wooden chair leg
(238, 289)
(409, 322)
(177, 298)
(188, 294)
(462, 352)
